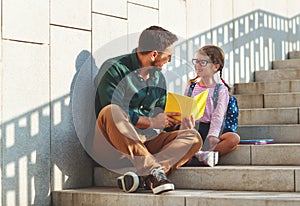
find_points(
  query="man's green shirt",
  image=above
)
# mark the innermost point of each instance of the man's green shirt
(118, 82)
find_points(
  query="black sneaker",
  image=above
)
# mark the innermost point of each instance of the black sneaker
(129, 182)
(158, 181)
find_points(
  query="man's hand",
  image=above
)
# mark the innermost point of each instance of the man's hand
(187, 123)
(164, 120)
(160, 121)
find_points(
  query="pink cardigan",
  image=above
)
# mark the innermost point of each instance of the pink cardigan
(214, 116)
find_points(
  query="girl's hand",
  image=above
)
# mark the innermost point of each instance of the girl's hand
(187, 123)
(213, 141)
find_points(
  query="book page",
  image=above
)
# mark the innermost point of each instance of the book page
(179, 103)
(200, 103)
(187, 106)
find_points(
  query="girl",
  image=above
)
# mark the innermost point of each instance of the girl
(210, 60)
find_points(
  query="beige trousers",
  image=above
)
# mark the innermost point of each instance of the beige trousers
(169, 150)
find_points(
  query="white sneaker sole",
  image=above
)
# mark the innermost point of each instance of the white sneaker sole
(129, 178)
(163, 188)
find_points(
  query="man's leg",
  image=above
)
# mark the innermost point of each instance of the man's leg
(173, 149)
(114, 124)
(121, 134)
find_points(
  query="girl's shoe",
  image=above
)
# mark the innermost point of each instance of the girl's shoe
(209, 158)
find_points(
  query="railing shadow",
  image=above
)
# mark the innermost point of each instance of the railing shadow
(42, 146)
(250, 42)
(25, 173)
(41, 152)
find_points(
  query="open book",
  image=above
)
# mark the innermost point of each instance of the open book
(187, 106)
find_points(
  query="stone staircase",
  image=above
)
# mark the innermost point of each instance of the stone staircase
(251, 175)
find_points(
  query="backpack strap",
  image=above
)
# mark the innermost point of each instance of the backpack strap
(191, 88)
(216, 95)
(215, 102)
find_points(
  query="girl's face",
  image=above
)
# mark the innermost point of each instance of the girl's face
(204, 67)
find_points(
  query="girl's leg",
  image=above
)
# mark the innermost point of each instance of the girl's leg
(228, 143)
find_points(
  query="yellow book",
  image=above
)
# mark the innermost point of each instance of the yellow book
(187, 106)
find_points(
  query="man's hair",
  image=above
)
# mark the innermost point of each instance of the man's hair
(155, 38)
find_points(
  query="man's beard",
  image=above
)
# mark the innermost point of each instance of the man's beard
(154, 64)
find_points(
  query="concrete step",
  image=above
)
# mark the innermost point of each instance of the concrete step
(269, 116)
(280, 133)
(277, 75)
(282, 154)
(286, 64)
(241, 178)
(284, 86)
(114, 197)
(275, 100)
(247, 101)
(294, 55)
(269, 100)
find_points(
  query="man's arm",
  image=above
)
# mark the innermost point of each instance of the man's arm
(108, 87)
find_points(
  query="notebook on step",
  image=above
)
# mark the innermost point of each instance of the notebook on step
(257, 141)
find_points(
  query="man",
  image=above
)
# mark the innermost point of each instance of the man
(129, 104)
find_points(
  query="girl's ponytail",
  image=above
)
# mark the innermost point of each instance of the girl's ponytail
(228, 87)
(192, 81)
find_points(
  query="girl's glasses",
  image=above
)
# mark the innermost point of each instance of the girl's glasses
(202, 63)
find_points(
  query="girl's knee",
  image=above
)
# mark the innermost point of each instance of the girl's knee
(232, 138)
(236, 138)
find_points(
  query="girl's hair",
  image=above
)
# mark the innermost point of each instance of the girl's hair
(216, 55)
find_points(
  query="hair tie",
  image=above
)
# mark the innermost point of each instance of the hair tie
(223, 81)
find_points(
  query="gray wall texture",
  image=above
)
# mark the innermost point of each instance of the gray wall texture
(51, 50)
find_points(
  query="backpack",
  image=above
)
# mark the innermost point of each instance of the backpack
(230, 122)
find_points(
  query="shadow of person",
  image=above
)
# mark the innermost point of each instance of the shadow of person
(84, 117)
(72, 167)
(83, 98)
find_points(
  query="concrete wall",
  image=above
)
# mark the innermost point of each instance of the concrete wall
(51, 50)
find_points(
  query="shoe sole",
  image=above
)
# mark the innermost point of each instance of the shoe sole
(129, 182)
(163, 188)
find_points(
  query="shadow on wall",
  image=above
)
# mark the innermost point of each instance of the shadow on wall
(71, 166)
(26, 158)
(40, 149)
(41, 152)
(250, 42)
